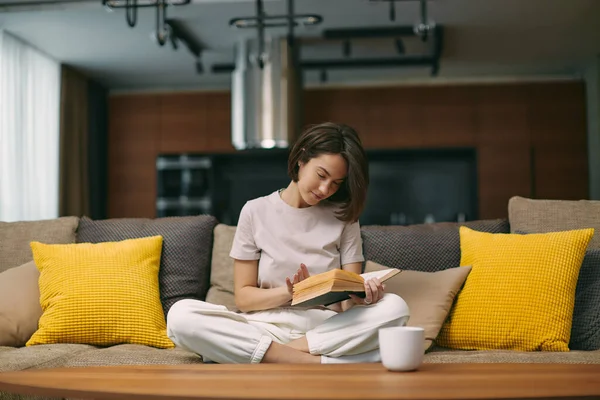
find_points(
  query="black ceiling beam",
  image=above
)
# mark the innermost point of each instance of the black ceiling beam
(368, 33)
(222, 68)
(438, 47)
(367, 63)
(183, 33)
(348, 63)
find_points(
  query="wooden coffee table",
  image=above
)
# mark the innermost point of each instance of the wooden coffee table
(348, 381)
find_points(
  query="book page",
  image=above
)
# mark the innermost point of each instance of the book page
(383, 275)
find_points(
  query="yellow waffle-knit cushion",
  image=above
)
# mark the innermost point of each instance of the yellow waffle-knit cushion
(520, 293)
(100, 294)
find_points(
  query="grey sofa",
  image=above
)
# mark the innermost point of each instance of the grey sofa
(199, 246)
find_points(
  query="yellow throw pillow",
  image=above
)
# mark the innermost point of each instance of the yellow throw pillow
(520, 293)
(100, 294)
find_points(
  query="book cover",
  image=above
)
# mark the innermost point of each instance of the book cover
(334, 286)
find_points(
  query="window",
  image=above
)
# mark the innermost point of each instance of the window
(29, 132)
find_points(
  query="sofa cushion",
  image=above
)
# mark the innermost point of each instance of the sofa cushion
(520, 293)
(585, 334)
(20, 307)
(43, 356)
(443, 355)
(541, 216)
(187, 242)
(221, 271)
(100, 294)
(16, 236)
(429, 295)
(81, 355)
(132, 354)
(426, 247)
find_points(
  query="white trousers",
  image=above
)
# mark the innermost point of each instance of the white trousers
(227, 337)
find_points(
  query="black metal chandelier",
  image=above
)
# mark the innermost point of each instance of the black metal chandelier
(261, 20)
(424, 29)
(131, 7)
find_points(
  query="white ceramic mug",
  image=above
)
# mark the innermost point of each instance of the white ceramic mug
(401, 347)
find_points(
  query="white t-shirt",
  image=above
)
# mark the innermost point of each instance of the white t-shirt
(281, 237)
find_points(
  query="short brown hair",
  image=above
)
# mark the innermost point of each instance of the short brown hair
(331, 138)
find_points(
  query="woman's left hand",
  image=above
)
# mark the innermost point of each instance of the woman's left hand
(374, 291)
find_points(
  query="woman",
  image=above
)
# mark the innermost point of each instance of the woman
(307, 228)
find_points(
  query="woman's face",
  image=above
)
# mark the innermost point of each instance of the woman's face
(321, 177)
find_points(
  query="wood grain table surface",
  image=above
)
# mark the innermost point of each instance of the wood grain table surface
(278, 381)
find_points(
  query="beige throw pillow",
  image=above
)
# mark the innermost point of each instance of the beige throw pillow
(16, 236)
(429, 295)
(543, 216)
(20, 308)
(221, 271)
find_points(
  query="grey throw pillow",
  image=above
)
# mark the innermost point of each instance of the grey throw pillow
(425, 247)
(187, 244)
(585, 332)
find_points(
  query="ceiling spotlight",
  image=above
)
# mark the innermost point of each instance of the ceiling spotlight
(240, 23)
(424, 27)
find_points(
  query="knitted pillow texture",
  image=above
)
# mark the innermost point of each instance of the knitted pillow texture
(520, 294)
(187, 242)
(425, 247)
(100, 294)
(585, 334)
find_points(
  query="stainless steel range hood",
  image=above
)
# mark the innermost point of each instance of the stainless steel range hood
(265, 101)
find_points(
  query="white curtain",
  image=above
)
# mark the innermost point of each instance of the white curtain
(29, 132)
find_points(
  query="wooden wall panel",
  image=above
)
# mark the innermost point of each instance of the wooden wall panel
(218, 125)
(336, 105)
(393, 119)
(503, 147)
(561, 172)
(530, 138)
(448, 115)
(559, 135)
(407, 117)
(315, 107)
(183, 123)
(132, 149)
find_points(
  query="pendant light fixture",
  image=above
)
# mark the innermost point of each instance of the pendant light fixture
(131, 8)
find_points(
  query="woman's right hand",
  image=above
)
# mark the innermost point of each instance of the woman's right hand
(300, 275)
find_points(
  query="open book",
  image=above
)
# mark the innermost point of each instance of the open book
(333, 286)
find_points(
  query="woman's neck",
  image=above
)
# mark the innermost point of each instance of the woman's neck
(291, 195)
